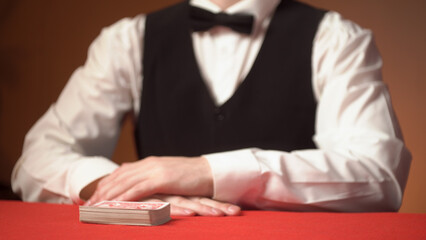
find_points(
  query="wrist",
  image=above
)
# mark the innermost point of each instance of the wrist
(207, 176)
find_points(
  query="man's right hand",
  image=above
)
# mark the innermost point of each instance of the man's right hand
(180, 205)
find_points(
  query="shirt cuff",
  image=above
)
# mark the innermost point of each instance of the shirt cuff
(235, 173)
(87, 171)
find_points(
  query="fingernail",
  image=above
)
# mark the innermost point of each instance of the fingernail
(233, 209)
(188, 212)
(215, 212)
(87, 203)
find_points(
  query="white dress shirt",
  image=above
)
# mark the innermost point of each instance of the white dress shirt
(360, 164)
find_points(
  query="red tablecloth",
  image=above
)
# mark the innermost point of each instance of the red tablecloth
(19, 220)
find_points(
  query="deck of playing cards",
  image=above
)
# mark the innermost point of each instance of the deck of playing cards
(126, 213)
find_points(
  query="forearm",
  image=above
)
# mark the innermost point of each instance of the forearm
(310, 180)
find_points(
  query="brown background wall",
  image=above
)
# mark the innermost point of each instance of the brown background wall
(42, 42)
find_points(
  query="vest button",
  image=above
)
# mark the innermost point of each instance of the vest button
(220, 117)
(218, 114)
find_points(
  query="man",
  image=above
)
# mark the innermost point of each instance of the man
(290, 114)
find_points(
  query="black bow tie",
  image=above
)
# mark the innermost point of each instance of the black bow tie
(202, 20)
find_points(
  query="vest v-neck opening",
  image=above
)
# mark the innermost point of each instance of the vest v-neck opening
(273, 107)
(245, 79)
(196, 64)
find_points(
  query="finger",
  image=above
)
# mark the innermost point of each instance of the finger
(197, 207)
(103, 192)
(174, 210)
(228, 208)
(103, 186)
(180, 211)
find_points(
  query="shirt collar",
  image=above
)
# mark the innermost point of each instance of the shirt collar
(260, 9)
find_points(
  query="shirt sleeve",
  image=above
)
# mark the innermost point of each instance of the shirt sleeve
(361, 162)
(71, 145)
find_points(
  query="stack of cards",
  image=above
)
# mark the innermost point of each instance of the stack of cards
(126, 213)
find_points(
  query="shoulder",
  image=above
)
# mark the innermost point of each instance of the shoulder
(123, 35)
(125, 27)
(341, 48)
(335, 26)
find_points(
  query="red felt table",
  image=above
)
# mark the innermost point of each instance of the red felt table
(20, 220)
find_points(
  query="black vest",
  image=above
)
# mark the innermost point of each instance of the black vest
(273, 108)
